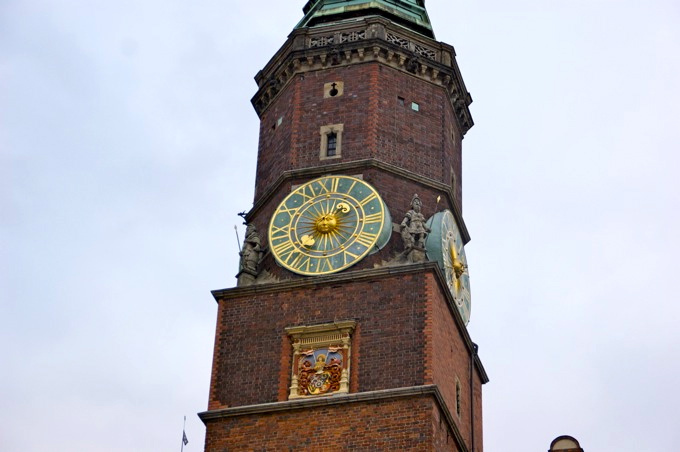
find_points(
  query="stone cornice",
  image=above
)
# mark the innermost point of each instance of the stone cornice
(358, 397)
(366, 39)
(362, 275)
(322, 280)
(357, 165)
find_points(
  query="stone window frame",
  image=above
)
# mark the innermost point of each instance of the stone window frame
(324, 132)
(306, 337)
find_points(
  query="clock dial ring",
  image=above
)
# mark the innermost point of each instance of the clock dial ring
(328, 224)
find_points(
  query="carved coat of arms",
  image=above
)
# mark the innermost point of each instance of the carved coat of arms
(319, 371)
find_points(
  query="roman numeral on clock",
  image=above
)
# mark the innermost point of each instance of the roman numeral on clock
(367, 239)
(283, 249)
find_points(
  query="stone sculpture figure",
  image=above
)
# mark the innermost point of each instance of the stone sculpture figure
(414, 231)
(251, 255)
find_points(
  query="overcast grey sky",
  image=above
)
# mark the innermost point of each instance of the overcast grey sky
(128, 145)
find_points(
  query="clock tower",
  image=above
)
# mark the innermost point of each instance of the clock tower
(347, 328)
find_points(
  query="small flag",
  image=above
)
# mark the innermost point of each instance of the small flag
(184, 438)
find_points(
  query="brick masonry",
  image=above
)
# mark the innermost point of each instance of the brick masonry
(448, 358)
(406, 336)
(402, 424)
(426, 142)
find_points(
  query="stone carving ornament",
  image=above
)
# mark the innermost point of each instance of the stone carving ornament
(414, 232)
(251, 255)
(322, 374)
(321, 359)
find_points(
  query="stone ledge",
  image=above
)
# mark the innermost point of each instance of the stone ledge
(347, 276)
(359, 397)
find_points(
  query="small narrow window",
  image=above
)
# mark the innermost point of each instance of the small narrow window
(332, 144)
(415, 106)
(400, 101)
(458, 398)
(331, 141)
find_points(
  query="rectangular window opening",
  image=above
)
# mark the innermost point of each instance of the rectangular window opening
(331, 144)
(458, 391)
(400, 101)
(331, 141)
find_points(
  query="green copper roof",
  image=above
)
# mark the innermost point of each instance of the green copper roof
(410, 13)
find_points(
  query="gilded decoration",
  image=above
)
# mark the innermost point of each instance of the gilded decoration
(320, 371)
(321, 356)
(327, 225)
(445, 245)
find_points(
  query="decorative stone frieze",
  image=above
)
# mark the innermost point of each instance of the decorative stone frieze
(369, 39)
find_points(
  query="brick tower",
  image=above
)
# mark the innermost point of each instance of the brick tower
(347, 327)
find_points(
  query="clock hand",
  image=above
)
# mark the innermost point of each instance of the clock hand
(342, 207)
(307, 241)
(458, 268)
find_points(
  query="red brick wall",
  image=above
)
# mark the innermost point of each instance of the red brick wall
(398, 424)
(443, 437)
(426, 142)
(413, 140)
(216, 351)
(405, 336)
(274, 151)
(454, 152)
(388, 352)
(479, 433)
(448, 357)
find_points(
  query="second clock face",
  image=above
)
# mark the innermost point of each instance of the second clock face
(328, 225)
(445, 245)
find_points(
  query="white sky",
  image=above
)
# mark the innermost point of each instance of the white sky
(128, 145)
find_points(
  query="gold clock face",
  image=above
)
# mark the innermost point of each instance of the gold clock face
(445, 245)
(328, 225)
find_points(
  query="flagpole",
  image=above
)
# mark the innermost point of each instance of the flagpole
(183, 433)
